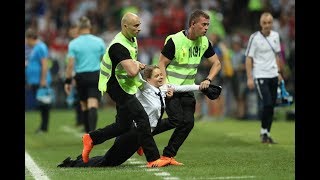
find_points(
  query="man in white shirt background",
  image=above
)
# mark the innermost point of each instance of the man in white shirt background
(264, 72)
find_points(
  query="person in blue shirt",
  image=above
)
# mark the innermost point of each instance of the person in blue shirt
(84, 55)
(37, 73)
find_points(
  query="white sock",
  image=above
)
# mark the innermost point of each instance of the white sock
(263, 131)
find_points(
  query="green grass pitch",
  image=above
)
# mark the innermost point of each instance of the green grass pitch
(220, 149)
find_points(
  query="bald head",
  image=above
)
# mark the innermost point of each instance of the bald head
(266, 22)
(129, 18)
(266, 16)
(130, 25)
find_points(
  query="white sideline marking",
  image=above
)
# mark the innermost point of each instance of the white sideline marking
(228, 177)
(171, 178)
(36, 172)
(162, 174)
(151, 169)
(136, 162)
(72, 131)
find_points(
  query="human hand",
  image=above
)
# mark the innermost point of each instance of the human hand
(280, 78)
(67, 88)
(169, 93)
(212, 92)
(250, 83)
(43, 83)
(204, 84)
(141, 66)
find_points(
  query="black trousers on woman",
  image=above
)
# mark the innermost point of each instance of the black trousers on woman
(123, 148)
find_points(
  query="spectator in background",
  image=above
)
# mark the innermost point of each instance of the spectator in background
(110, 32)
(29, 99)
(160, 24)
(177, 16)
(146, 17)
(255, 8)
(179, 61)
(263, 71)
(84, 56)
(238, 80)
(216, 108)
(38, 74)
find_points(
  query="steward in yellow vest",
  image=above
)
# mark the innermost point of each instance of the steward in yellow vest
(119, 77)
(179, 60)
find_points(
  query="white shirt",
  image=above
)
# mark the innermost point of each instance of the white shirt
(151, 102)
(262, 50)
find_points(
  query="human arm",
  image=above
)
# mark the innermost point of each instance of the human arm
(214, 70)
(278, 57)
(212, 92)
(278, 60)
(44, 71)
(250, 51)
(184, 88)
(69, 70)
(118, 53)
(166, 55)
(249, 66)
(132, 67)
(163, 63)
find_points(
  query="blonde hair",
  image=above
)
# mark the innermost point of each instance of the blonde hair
(84, 23)
(196, 15)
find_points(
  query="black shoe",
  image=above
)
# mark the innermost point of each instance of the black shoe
(66, 163)
(271, 141)
(79, 157)
(264, 138)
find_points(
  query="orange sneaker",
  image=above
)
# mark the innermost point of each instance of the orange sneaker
(140, 151)
(172, 161)
(158, 163)
(87, 147)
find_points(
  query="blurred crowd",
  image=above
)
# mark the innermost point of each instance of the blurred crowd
(231, 23)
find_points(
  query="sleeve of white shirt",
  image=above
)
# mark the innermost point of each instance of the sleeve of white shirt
(251, 48)
(184, 88)
(143, 82)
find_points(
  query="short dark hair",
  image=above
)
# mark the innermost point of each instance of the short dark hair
(31, 33)
(147, 72)
(195, 15)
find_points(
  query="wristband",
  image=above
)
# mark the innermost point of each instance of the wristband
(208, 79)
(68, 81)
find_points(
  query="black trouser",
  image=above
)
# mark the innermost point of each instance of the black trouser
(43, 108)
(128, 110)
(86, 86)
(267, 93)
(180, 110)
(123, 148)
